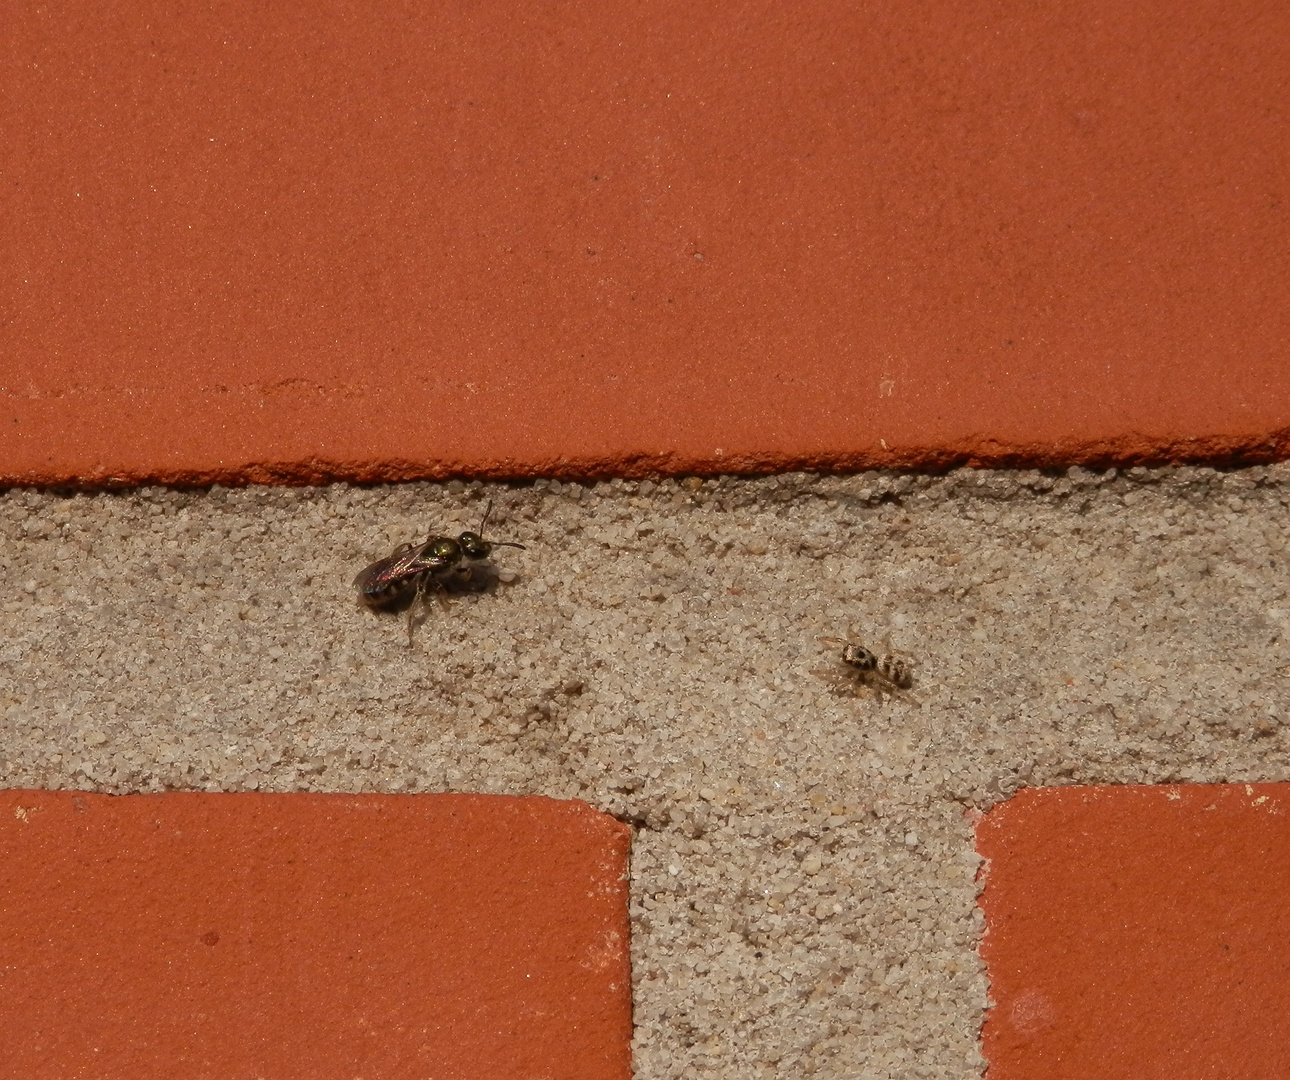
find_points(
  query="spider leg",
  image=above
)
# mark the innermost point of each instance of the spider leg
(843, 681)
(888, 689)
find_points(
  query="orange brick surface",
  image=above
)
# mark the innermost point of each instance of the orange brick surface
(319, 936)
(250, 241)
(1138, 932)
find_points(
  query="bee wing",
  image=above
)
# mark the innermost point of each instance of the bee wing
(405, 563)
(379, 574)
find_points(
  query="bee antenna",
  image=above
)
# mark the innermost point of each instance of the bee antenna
(487, 511)
(507, 543)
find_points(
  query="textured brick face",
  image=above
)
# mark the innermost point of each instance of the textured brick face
(371, 241)
(1138, 932)
(312, 935)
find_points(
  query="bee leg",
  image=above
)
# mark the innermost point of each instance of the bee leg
(412, 609)
(427, 584)
(418, 600)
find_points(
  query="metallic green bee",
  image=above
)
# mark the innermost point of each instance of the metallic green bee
(405, 576)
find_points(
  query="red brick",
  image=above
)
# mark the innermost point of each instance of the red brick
(250, 241)
(1138, 932)
(320, 936)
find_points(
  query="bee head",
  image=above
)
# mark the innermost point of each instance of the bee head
(474, 546)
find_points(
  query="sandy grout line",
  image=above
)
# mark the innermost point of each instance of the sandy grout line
(803, 879)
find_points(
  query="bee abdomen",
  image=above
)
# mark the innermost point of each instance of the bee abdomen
(383, 595)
